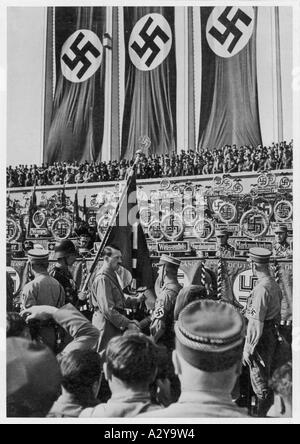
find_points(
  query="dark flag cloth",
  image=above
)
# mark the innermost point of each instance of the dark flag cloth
(76, 209)
(85, 210)
(63, 197)
(32, 209)
(150, 80)
(229, 103)
(77, 123)
(127, 234)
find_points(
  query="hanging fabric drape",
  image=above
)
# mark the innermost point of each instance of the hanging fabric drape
(77, 123)
(229, 102)
(150, 80)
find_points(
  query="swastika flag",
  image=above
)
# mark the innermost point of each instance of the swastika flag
(77, 121)
(229, 102)
(150, 79)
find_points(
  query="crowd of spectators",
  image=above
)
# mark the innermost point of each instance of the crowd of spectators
(69, 385)
(185, 364)
(229, 159)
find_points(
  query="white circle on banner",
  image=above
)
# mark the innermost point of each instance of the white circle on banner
(150, 42)
(229, 29)
(15, 277)
(81, 56)
(243, 286)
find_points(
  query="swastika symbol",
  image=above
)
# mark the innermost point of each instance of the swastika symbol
(172, 227)
(80, 56)
(285, 182)
(150, 42)
(262, 180)
(159, 313)
(243, 285)
(255, 225)
(227, 212)
(266, 208)
(283, 211)
(231, 28)
(61, 229)
(247, 283)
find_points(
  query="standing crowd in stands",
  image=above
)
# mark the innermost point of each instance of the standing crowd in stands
(229, 159)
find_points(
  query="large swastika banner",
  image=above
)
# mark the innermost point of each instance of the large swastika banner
(150, 79)
(77, 123)
(229, 102)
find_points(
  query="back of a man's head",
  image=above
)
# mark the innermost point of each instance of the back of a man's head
(132, 359)
(110, 250)
(171, 271)
(16, 326)
(41, 267)
(282, 382)
(210, 337)
(33, 378)
(81, 371)
(186, 296)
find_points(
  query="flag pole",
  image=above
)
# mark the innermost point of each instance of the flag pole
(108, 232)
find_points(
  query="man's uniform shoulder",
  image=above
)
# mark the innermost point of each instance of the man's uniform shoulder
(266, 296)
(30, 285)
(173, 287)
(169, 290)
(167, 295)
(51, 280)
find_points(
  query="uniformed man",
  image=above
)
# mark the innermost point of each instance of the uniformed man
(43, 290)
(108, 300)
(281, 248)
(163, 316)
(84, 244)
(224, 249)
(263, 315)
(65, 255)
(209, 346)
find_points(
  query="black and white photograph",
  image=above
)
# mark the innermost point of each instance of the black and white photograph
(151, 226)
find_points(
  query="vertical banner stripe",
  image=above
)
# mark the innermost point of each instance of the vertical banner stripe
(265, 75)
(278, 74)
(197, 66)
(115, 93)
(49, 74)
(106, 154)
(191, 81)
(122, 60)
(182, 82)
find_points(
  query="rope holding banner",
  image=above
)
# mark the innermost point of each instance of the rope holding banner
(220, 279)
(203, 274)
(277, 272)
(84, 271)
